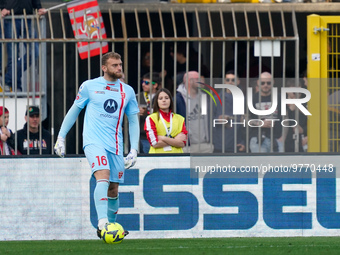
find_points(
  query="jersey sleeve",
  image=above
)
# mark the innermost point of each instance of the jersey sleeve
(82, 97)
(184, 131)
(132, 105)
(134, 131)
(69, 120)
(151, 131)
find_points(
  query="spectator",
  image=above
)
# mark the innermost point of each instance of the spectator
(145, 68)
(300, 129)
(18, 7)
(6, 135)
(305, 79)
(146, 64)
(181, 57)
(123, 77)
(165, 130)
(229, 131)
(254, 86)
(189, 100)
(261, 137)
(145, 100)
(34, 140)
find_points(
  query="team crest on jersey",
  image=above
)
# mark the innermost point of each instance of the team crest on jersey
(110, 88)
(110, 106)
(78, 96)
(81, 88)
(120, 174)
(122, 94)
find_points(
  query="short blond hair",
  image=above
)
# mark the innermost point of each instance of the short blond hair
(110, 55)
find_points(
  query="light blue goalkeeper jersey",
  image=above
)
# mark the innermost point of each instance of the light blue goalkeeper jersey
(106, 102)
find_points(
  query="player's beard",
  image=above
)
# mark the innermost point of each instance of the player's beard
(114, 75)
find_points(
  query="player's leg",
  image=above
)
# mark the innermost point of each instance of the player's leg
(116, 177)
(100, 196)
(113, 202)
(97, 158)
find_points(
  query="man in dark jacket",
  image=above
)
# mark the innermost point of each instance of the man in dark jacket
(265, 134)
(34, 140)
(225, 134)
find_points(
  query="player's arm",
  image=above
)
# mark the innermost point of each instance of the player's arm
(67, 124)
(134, 132)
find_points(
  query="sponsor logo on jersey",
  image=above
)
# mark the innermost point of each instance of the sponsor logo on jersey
(110, 88)
(110, 106)
(78, 96)
(106, 115)
(99, 92)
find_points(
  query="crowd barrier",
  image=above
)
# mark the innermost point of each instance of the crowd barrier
(51, 198)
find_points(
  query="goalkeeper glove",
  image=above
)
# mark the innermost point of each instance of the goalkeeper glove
(131, 159)
(59, 147)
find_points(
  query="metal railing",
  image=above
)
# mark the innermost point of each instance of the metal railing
(23, 69)
(217, 36)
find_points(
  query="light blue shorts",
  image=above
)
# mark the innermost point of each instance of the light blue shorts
(100, 159)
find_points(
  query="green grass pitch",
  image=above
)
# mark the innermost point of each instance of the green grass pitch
(244, 246)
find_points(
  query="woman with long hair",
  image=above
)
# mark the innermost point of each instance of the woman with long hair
(165, 130)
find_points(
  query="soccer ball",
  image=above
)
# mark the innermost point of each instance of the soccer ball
(113, 233)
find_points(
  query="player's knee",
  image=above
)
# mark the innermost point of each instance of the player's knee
(112, 193)
(102, 174)
(113, 190)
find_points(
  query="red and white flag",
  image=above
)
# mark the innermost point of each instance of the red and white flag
(87, 23)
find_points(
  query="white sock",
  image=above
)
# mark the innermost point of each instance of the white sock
(102, 222)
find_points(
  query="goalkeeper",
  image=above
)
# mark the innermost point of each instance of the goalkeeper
(106, 99)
